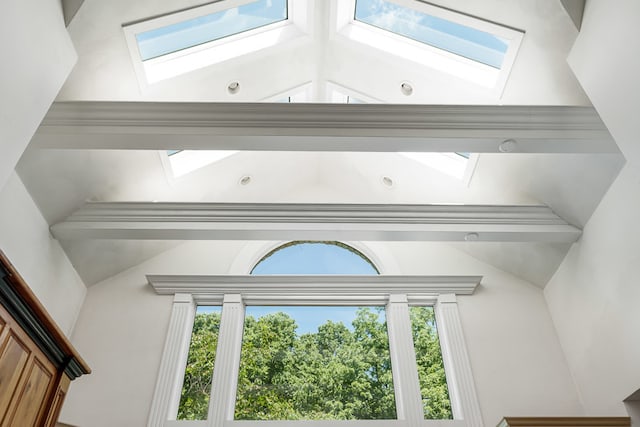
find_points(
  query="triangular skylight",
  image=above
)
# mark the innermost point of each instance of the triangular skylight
(441, 39)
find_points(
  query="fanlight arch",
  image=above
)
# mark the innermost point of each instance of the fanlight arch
(314, 257)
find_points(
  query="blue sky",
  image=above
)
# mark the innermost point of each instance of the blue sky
(310, 258)
(474, 44)
(307, 318)
(314, 258)
(193, 32)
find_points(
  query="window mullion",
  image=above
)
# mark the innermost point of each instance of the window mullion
(403, 360)
(166, 396)
(462, 391)
(225, 371)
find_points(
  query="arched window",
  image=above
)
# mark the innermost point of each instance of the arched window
(314, 333)
(309, 257)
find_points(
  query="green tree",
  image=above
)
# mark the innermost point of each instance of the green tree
(194, 400)
(336, 373)
(433, 382)
(264, 392)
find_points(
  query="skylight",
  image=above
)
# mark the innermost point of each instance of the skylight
(443, 40)
(457, 165)
(182, 162)
(191, 39)
(214, 26)
(440, 33)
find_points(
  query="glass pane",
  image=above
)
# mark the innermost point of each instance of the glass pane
(459, 39)
(203, 29)
(314, 258)
(194, 401)
(313, 363)
(433, 382)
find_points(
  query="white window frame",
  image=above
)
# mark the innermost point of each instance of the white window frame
(396, 293)
(345, 26)
(300, 93)
(339, 94)
(297, 25)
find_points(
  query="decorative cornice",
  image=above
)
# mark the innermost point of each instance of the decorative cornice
(311, 289)
(28, 312)
(322, 127)
(281, 221)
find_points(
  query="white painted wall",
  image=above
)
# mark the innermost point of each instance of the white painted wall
(593, 297)
(25, 239)
(515, 353)
(37, 56)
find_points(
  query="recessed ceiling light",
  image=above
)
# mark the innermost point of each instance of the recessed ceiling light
(245, 180)
(471, 237)
(233, 88)
(508, 146)
(387, 181)
(406, 88)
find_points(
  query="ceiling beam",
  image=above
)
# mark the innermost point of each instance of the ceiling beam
(323, 127)
(282, 221)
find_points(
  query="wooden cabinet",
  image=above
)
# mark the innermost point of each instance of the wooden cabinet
(37, 363)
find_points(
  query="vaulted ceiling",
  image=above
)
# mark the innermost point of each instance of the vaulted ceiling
(62, 179)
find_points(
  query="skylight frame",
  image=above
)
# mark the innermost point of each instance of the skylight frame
(454, 165)
(345, 26)
(339, 94)
(297, 25)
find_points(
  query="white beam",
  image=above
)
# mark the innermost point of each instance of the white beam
(323, 127)
(282, 221)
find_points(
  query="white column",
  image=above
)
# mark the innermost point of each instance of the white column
(166, 396)
(462, 391)
(403, 361)
(225, 370)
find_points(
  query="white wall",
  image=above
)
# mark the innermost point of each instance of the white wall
(514, 351)
(594, 295)
(25, 239)
(37, 56)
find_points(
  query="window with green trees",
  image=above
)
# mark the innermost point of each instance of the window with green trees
(196, 387)
(433, 382)
(314, 362)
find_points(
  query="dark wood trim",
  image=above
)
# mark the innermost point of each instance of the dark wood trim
(25, 307)
(565, 422)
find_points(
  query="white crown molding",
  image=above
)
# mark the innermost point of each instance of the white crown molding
(322, 127)
(312, 289)
(281, 221)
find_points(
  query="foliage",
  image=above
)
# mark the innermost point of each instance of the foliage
(194, 401)
(336, 373)
(433, 383)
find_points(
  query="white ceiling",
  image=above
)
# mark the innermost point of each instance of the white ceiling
(60, 181)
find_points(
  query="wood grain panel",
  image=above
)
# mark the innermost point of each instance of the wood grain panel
(565, 422)
(13, 360)
(58, 400)
(32, 402)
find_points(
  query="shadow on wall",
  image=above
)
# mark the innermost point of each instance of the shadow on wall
(632, 404)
